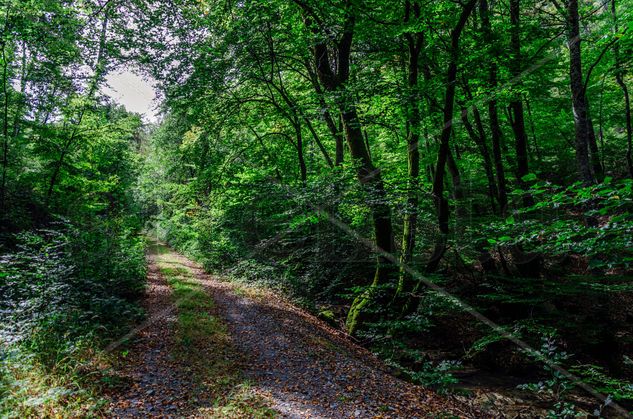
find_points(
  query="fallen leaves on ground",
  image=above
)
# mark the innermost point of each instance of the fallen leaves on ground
(275, 356)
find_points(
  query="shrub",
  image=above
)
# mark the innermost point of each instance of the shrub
(66, 292)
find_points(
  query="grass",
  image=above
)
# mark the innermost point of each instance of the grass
(59, 367)
(204, 345)
(69, 379)
(250, 291)
(72, 387)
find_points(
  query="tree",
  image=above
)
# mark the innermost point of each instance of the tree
(516, 105)
(334, 80)
(441, 202)
(580, 103)
(620, 73)
(493, 116)
(415, 43)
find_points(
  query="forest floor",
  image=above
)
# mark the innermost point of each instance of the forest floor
(211, 348)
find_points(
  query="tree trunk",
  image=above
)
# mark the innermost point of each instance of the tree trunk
(498, 157)
(579, 101)
(619, 77)
(516, 105)
(629, 130)
(485, 154)
(303, 170)
(414, 44)
(493, 115)
(318, 142)
(596, 165)
(5, 128)
(441, 203)
(480, 136)
(340, 141)
(368, 176)
(532, 129)
(456, 178)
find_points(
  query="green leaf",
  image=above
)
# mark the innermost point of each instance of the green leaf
(529, 177)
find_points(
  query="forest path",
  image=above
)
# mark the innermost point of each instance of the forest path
(266, 358)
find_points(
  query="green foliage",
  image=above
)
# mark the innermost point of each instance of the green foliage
(65, 293)
(563, 377)
(61, 285)
(437, 375)
(594, 222)
(71, 262)
(618, 389)
(558, 385)
(246, 172)
(29, 389)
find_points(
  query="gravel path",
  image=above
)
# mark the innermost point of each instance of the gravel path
(298, 364)
(155, 385)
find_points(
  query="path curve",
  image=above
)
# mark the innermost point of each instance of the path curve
(302, 367)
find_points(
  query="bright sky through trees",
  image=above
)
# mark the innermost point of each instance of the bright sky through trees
(134, 92)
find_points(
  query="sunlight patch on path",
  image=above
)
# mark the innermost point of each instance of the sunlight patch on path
(204, 346)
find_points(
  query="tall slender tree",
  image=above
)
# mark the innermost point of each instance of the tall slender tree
(335, 80)
(493, 115)
(441, 201)
(517, 119)
(620, 73)
(414, 41)
(580, 104)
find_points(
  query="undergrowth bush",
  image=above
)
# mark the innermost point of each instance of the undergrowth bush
(262, 232)
(67, 291)
(594, 222)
